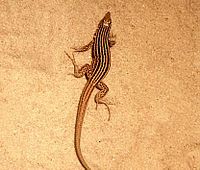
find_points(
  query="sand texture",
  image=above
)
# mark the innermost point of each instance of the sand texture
(154, 85)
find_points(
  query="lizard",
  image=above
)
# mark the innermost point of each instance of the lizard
(94, 73)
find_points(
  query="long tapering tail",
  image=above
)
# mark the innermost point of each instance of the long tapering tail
(87, 91)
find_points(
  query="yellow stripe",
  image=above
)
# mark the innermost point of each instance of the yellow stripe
(101, 54)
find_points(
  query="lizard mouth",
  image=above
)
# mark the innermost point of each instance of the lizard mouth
(107, 16)
(107, 19)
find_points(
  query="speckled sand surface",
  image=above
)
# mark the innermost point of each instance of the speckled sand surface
(154, 85)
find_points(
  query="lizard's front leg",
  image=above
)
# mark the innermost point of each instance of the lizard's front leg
(84, 48)
(85, 70)
(112, 40)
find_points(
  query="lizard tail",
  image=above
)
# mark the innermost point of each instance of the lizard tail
(79, 121)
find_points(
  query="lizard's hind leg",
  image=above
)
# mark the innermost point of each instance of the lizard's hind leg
(98, 97)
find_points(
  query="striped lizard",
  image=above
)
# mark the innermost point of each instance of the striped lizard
(94, 73)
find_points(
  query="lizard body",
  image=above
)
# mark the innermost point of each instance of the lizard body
(95, 73)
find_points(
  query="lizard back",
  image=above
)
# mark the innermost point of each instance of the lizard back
(101, 50)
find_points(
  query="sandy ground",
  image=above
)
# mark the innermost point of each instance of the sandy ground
(154, 85)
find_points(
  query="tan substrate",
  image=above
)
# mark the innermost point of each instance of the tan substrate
(154, 85)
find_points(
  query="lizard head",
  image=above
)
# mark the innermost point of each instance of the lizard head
(106, 21)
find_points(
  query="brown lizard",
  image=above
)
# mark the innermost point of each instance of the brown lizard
(94, 73)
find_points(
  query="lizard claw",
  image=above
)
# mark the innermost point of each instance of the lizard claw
(71, 58)
(109, 114)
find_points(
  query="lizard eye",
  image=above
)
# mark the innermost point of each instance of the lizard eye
(106, 22)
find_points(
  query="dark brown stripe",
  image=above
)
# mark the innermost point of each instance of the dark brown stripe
(97, 51)
(103, 56)
(101, 53)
